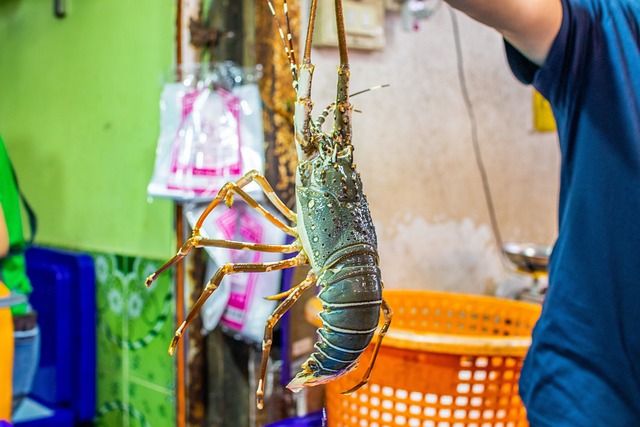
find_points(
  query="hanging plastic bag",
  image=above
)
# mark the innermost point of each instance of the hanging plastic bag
(239, 304)
(210, 133)
(206, 151)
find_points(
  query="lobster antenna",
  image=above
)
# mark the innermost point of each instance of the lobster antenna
(289, 36)
(369, 89)
(342, 39)
(288, 47)
(342, 110)
(330, 108)
(312, 21)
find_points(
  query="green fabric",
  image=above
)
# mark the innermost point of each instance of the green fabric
(13, 270)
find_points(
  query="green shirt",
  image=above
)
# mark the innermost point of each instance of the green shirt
(13, 270)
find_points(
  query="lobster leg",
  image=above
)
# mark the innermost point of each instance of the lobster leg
(199, 241)
(388, 314)
(226, 194)
(292, 297)
(230, 268)
(280, 296)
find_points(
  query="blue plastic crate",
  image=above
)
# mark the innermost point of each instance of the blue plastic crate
(65, 298)
(312, 420)
(60, 418)
(52, 298)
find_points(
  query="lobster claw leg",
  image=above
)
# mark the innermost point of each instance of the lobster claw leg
(388, 314)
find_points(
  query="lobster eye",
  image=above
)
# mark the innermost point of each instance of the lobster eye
(313, 365)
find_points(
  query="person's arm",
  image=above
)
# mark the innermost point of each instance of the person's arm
(4, 235)
(529, 25)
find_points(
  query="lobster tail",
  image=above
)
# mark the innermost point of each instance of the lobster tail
(351, 296)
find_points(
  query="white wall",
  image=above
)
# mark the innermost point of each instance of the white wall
(414, 150)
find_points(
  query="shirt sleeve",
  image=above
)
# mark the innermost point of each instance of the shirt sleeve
(562, 68)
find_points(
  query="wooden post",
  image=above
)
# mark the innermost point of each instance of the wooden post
(278, 98)
(185, 55)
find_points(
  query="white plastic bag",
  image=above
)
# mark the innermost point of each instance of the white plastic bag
(239, 302)
(206, 150)
(209, 135)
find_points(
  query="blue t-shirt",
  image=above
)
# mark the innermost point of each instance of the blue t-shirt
(583, 368)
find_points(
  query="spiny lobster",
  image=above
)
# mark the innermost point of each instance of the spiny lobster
(333, 231)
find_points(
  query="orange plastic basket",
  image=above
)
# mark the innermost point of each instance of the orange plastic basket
(448, 360)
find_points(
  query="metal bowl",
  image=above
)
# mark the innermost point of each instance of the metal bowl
(528, 257)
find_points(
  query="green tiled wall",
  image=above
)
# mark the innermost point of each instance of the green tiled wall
(135, 326)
